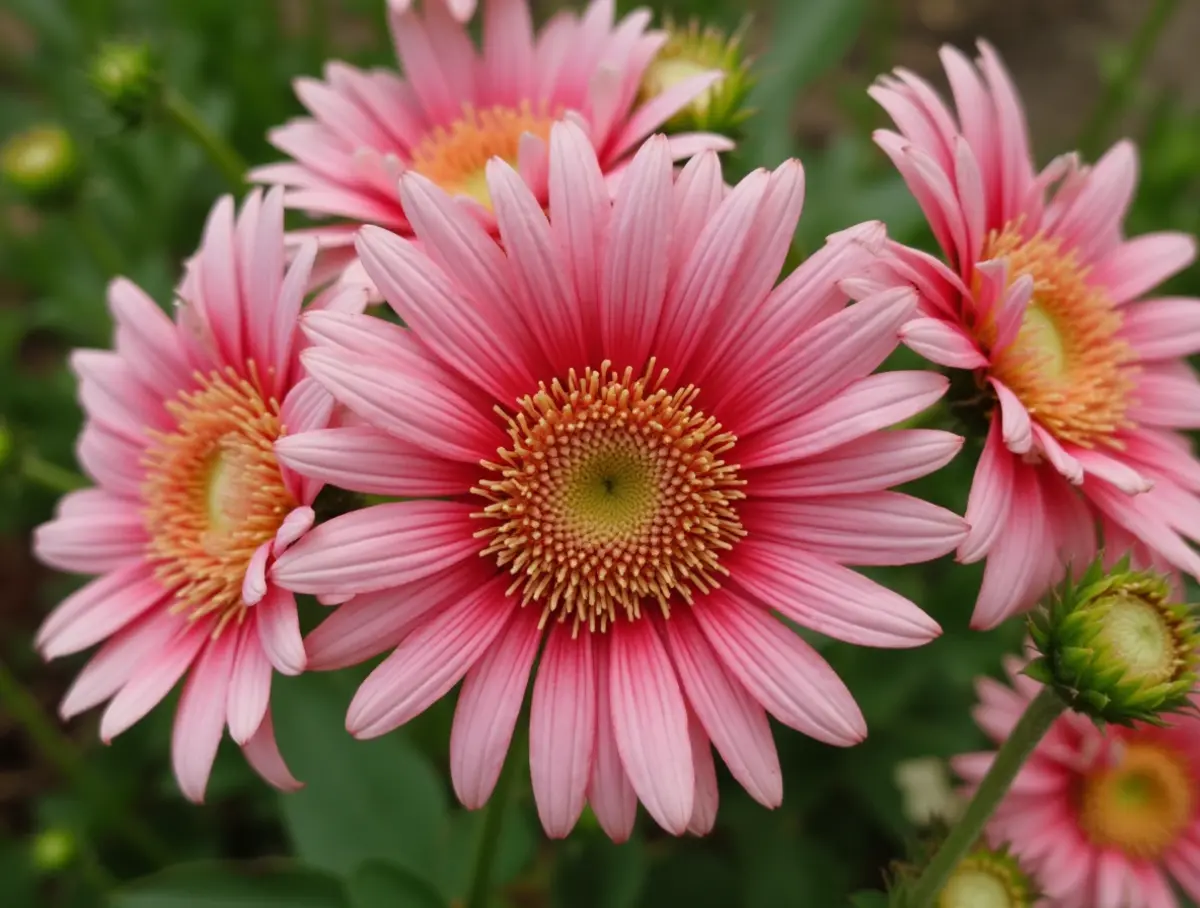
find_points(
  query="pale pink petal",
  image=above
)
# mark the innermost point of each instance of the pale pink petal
(1113, 470)
(111, 459)
(1163, 329)
(112, 394)
(279, 631)
(1141, 264)
(990, 498)
(374, 622)
(219, 299)
(1145, 522)
(1091, 222)
(430, 661)
(1167, 396)
(609, 792)
(254, 583)
(661, 108)
(100, 609)
(1065, 463)
(262, 753)
(650, 724)
(488, 707)
(786, 675)
(705, 800)
(378, 547)
(562, 728)
(200, 719)
(828, 598)
(943, 343)
(1015, 424)
(732, 718)
(298, 522)
(249, 685)
(147, 339)
(153, 681)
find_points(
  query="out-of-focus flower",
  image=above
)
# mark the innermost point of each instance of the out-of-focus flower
(988, 878)
(630, 453)
(1085, 383)
(1099, 817)
(1116, 647)
(457, 107)
(126, 76)
(191, 507)
(43, 165)
(689, 52)
(927, 792)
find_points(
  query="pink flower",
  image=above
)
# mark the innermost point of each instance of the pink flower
(630, 453)
(1103, 819)
(1083, 382)
(190, 506)
(458, 107)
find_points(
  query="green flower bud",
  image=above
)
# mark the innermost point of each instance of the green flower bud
(126, 76)
(1115, 647)
(689, 52)
(42, 164)
(53, 849)
(988, 878)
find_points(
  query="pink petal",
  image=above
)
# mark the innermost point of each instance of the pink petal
(378, 547)
(609, 792)
(488, 707)
(705, 799)
(298, 522)
(146, 338)
(1113, 470)
(430, 661)
(943, 343)
(99, 610)
(254, 583)
(111, 459)
(262, 753)
(112, 394)
(990, 498)
(1167, 396)
(1162, 328)
(828, 598)
(249, 686)
(279, 631)
(650, 724)
(734, 720)
(661, 108)
(200, 719)
(562, 728)
(877, 461)
(786, 675)
(1016, 428)
(1066, 464)
(1142, 263)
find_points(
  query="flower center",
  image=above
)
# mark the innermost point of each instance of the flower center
(1067, 365)
(1140, 805)
(612, 494)
(1139, 638)
(455, 157)
(214, 493)
(987, 879)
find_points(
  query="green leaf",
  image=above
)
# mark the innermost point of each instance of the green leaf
(810, 36)
(592, 872)
(262, 884)
(869, 900)
(380, 885)
(362, 800)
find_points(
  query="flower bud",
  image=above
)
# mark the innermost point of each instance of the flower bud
(689, 52)
(1115, 647)
(126, 76)
(42, 164)
(53, 849)
(988, 878)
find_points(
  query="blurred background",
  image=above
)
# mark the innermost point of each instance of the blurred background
(82, 824)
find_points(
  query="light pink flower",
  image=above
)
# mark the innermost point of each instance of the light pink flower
(190, 506)
(630, 453)
(1084, 382)
(1103, 819)
(458, 106)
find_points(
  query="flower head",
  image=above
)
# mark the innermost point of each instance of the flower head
(191, 506)
(622, 448)
(988, 878)
(1115, 646)
(457, 108)
(1084, 383)
(1099, 817)
(126, 76)
(42, 164)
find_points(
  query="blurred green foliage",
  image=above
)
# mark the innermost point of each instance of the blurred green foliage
(377, 824)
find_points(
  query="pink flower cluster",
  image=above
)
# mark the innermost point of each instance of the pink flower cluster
(622, 460)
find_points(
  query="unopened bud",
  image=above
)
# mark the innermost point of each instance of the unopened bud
(42, 164)
(691, 51)
(1115, 647)
(53, 849)
(126, 76)
(988, 878)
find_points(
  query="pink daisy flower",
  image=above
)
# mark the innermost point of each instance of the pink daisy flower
(190, 506)
(458, 107)
(1040, 298)
(630, 453)
(1103, 819)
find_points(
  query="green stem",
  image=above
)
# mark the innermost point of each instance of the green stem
(1032, 727)
(1133, 61)
(99, 242)
(50, 476)
(181, 112)
(489, 842)
(60, 751)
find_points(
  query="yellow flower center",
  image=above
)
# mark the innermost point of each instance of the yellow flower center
(456, 157)
(1139, 638)
(214, 493)
(1067, 365)
(987, 879)
(612, 494)
(1142, 804)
